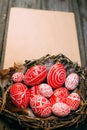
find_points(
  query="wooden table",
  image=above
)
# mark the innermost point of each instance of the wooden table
(80, 10)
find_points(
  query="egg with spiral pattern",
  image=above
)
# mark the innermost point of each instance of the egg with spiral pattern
(56, 76)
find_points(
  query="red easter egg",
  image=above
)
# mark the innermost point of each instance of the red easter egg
(60, 109)
(72, 81)
(73, 100)
(41, 106)
(34, 91)
(45, 90)
(20, 95)
(35, 75)
(17, 77)
(59, 95)
(56, 75)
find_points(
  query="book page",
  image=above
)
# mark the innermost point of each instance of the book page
(34, 33)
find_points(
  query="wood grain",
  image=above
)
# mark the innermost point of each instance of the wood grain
(83, 17)
(61, 5)
(79, 32)
(3, 15)
(26, 3)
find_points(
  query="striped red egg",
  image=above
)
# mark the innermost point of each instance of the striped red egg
(56, 75)
(35, 75)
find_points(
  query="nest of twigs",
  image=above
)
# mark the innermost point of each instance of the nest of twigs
(25, 116)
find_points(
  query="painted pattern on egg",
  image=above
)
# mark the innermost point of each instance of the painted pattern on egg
(34, 91)
(35, 75)
(73, 100)
(41, 106)
(18, 77)
(20, 95)
(60, 109)
(72, 81)
(56, 75)
(45, 90)
(59, 95)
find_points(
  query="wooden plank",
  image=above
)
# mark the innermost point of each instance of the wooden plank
(79, 32)
(26, 3)
(83, 15)
(61, 5)
(3, 17)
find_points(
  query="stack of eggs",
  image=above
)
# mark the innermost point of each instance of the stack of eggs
(46, 92)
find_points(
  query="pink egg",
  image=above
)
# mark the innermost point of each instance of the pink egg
(72, 81)
(56, 75)
(35, 75)
(18, 77)
(60, 109)
(73, 100)
(41, 106)
(45, 90)
(20, 95)
(59, 95)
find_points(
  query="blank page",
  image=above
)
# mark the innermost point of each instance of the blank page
(34, 33)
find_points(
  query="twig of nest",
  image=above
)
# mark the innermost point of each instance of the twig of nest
(25, 117)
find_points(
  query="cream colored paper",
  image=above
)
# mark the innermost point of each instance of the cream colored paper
(35, 33)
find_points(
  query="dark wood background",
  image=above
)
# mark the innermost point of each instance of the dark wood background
(79, 7)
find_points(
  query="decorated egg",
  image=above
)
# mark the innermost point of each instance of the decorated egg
(45, 90)
(60, 109)
(72, 81)
(35, 75)
(20, 95)
(34, 91)
(56, 75)
(41, 106)
(18, 77)
(59, 95)
(73, 100)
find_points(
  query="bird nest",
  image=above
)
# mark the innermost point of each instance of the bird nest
(25, 116)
